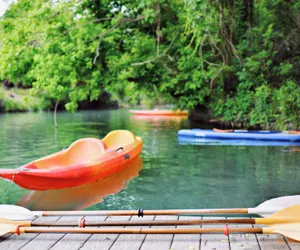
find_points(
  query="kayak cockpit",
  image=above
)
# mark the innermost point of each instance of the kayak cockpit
(81, 151)
(85, 150)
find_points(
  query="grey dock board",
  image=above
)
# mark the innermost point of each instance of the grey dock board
(46, 241)
(103, 241)
(70, 241)
(131, 241)
(187, 241)
(214, 241)
(15, 241)
(159, 241)
(240, 241)
(294, 245)
(271, 241)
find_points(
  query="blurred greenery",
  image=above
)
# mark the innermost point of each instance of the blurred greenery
(238, 58)
(17, 99)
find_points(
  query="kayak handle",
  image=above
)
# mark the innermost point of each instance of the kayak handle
(119, 149)
(126, 156)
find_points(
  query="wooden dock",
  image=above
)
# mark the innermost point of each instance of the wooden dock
(55, 241)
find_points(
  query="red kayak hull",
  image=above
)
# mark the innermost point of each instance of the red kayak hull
(81, 197)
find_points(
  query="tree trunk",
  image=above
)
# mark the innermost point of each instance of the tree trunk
(55, 111)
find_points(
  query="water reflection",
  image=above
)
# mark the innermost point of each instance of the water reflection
(159, 120)
(79, 198)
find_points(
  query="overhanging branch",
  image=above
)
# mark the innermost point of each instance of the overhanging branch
(119, 22)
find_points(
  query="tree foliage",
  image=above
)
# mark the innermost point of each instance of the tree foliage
(239, 58)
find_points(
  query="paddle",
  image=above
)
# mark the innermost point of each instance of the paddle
(256, 131)
(265, 209)
(290, 214)
(249, 131)
(290, 230)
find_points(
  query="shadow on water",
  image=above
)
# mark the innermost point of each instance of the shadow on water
(81, 197)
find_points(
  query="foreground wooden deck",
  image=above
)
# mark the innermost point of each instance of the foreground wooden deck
(144, 242)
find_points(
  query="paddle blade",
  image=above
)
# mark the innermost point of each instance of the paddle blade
(267, 208)
(7, 228)
(287, 215)
(21, 223)
(12, 212)
(292, 212)
(290, 230)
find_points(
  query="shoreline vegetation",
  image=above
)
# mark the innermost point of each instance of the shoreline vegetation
(16, 100)
(19, 100)
(234, 62)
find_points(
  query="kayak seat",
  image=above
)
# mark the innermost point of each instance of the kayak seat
(81, 151)
(84, 150)
(119, 138)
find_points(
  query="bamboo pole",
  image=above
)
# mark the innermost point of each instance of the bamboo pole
(147, 212)
(140, 223)
(138, 231)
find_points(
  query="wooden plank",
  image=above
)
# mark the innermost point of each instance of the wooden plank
(214, 241)
(187, 241)
(144, 242)
(271, 241)
(294, 245)
(131, 241)
(70, 241)
(243, 241)
(18, 241)
(159, 241)
(104, 241)
(44, 240)
(15, 242)
(4, 237)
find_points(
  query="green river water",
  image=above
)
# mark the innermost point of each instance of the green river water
(167, 174)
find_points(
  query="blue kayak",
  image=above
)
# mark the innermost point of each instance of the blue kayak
(239, 135)
(183, 140)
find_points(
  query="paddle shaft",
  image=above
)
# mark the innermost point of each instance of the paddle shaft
(142, 223)
(138, 231)
(146, 212)
(265, 209)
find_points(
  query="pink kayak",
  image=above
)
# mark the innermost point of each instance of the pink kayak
(161, 112)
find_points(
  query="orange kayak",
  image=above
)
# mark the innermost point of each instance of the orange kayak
(84, 161)
(160, 112)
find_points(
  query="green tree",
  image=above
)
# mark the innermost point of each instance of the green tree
(239, 58)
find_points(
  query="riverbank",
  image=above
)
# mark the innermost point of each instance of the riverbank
(19, 100)
(14, 100)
